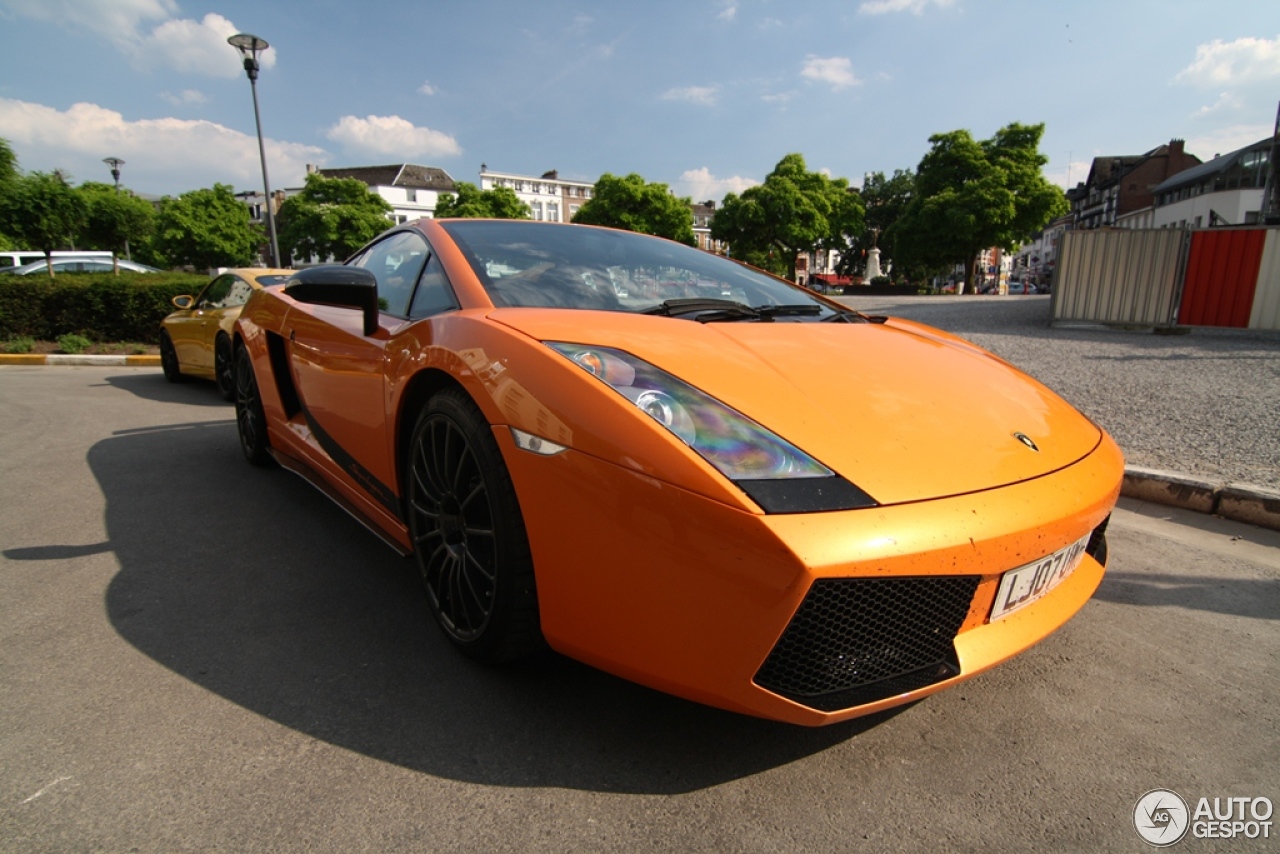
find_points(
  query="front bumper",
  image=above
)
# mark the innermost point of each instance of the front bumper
(689, 596)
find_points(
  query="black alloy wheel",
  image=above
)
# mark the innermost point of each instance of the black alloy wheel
(251, 420)
(468, 534)
(169, 359)
(224, 368)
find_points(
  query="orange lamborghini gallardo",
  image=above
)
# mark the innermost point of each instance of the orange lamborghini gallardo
(676, 468)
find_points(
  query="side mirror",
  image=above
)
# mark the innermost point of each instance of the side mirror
(184, 302)
(336, 284)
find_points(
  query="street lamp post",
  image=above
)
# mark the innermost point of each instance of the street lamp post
(250, 46)
(115, 163)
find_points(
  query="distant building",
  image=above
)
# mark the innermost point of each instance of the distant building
(1119, 186)
(703, 213)
(550, 198)
(1227, 190)
(412, 191)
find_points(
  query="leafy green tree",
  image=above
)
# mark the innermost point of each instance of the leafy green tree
(632, 204)
(42, 211)
(116, 220)
(330, 218)
(884, 200)
(8, 174)
(972, 195)
(793, 211)
(472, 202)
(206, 228)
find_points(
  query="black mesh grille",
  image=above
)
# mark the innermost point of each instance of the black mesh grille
(857, 640)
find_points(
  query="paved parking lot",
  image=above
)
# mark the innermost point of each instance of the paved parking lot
(198, 655)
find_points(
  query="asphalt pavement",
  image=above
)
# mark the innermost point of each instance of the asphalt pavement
(198, 655)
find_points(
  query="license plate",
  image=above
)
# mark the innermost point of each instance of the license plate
(1024, 585)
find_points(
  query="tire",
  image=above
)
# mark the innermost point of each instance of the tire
(251, 420)
(469, 537)
(224, 370)
(169, 359)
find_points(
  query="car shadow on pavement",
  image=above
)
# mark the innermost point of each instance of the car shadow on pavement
(252, 585)
(1259, 599)
(151, 385)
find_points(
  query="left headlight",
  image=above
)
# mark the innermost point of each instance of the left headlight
(777, 475)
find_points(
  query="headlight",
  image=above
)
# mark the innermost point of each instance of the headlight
(747, 453)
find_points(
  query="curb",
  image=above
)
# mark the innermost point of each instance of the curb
(1253, 505)
(67, 359)
(1240, 502)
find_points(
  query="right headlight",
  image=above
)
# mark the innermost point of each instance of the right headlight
(776, 474)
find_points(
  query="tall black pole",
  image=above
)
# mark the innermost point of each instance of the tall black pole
(251, 68)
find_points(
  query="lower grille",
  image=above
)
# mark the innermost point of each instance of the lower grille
(854, 641)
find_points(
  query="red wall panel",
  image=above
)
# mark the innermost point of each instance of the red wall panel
(1222, 275)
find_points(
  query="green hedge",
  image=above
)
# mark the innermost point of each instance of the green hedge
(99, 306)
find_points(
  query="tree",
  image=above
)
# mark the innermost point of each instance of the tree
(884, 201)
(472, 202)
(330, 218)
(42, 211)
(116, 220)
(973, 195)
(206, 228)
(8, 174)
(632, 204)
(792, 212)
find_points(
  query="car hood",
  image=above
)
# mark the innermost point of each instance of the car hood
(904, 411)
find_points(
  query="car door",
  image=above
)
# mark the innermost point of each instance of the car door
(193, 333)
(339, 372)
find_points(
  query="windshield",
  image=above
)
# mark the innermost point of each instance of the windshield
(548, 265)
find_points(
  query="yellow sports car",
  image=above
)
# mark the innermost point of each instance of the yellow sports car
(195, 340)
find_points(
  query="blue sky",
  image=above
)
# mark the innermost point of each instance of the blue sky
(704, 95)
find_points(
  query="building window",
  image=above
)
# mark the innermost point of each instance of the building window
(411, 195)
(573, 210)
(553, 212)
(536, 208)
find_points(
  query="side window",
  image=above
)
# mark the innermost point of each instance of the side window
(434, 293)
(239, 295)
(395, 263)
(214, 293)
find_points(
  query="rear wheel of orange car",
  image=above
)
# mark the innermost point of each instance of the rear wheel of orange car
(468, 533)
(224, 368)
(251, 420)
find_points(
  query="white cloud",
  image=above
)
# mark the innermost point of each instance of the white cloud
(164, 156)
(888, 7)
(1245, 60)
(777, 97)
(1226, 101)
(1226, 139)
(427, 89)
(836, 70)
(729, 10)
(198, 47)
(185, 97)
(116, 20)
(702, 95)
(391, 136)
(180, 44)
(700, 185)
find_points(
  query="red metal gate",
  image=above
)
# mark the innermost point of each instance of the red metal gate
(1222, 275)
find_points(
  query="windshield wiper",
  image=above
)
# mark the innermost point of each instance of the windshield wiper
(848, 315)
(717, 310)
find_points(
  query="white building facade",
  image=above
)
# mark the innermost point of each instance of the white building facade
(549, 197)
